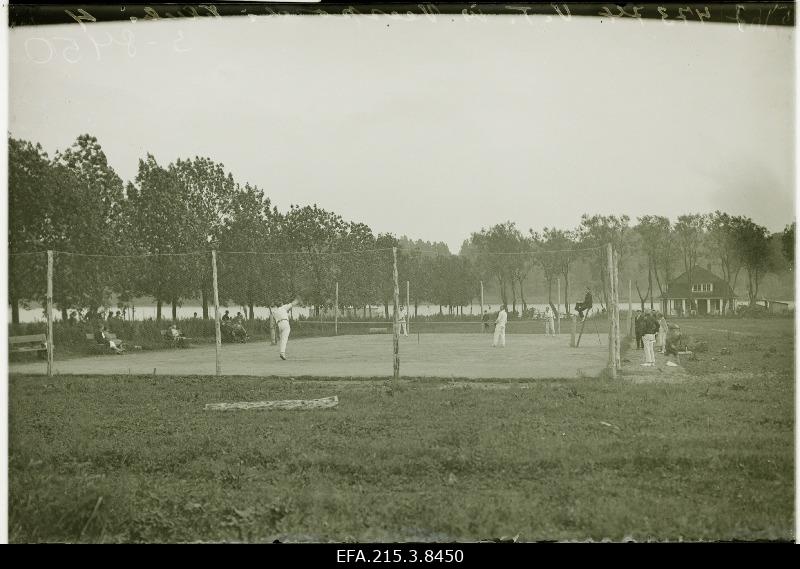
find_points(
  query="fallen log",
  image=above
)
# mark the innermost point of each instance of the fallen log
(324, 403)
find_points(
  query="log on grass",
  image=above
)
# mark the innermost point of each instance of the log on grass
(324, 403)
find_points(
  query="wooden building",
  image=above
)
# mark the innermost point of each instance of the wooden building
(705, 295)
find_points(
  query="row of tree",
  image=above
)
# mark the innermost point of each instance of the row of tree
(662, 249)
(153, 238)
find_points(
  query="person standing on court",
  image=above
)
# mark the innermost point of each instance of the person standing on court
(663, 331)
(281, 315)
(500, 327)
(649, 330)
(403, 320)
(549, 326)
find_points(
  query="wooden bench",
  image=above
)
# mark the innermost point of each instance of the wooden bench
(26, 344)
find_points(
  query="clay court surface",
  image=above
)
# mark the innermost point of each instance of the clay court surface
(531, 356)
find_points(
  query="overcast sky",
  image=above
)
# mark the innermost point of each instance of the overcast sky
(433, 129)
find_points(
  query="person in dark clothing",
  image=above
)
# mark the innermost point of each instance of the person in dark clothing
(638, 326)
(580, 307)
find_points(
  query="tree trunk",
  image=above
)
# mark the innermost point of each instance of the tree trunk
(522, 294)
(650, 283)
(158, 311)
(14, 310)
(566, 293)
(205, 304)
(64, 315)
(513, 295)
(252, 312)
(386, 309)
(416, 306)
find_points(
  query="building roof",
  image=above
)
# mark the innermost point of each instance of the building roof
(679, 286)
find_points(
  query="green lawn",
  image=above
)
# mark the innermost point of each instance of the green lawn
(126, 458)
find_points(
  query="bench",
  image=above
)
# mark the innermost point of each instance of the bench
(25, 344)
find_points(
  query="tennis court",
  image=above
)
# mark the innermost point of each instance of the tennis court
(425, 355)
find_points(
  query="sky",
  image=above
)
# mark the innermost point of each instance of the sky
(433, 129)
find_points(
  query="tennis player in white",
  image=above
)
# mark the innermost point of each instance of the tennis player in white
(500, 328)
(281, 314)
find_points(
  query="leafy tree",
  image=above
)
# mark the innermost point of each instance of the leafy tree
(787, 242)
(209, 196)
(556, 254)
(162, 222)
(721, 241)
(752, 243)
(247, 268)
(690, 234)
(655, 234)
(497, 251)
(596, 232)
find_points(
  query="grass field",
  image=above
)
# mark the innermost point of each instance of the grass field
(127, 458)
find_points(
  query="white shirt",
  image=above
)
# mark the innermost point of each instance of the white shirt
(282, 312)
(403, 314)
(502, 318)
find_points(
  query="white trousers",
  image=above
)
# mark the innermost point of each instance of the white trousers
(649, 341)
(403, 328)
(499, 336)
(549, 328)
(283, 330)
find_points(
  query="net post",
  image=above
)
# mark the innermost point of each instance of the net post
(217, 331)
(336, 311)
(396, 341)
(481, 306)
(49, 313)
(612, 366)
(558, 309)
(617, 359)
(408, 310)
(630, 309)
(573, 331)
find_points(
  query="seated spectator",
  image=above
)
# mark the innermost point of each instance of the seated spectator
(175, 335)
(101, 337)
(586, 305)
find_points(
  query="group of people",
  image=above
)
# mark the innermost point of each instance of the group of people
(650, 327)
(233, 327)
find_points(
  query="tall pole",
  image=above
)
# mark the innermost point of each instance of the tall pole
(217, 330)
(617, 359)
(336, 312)
(396, 342)
(481, 306)
(612, 364)
(558, 311)
(630, 308)
(408, 304)
(49, 314)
